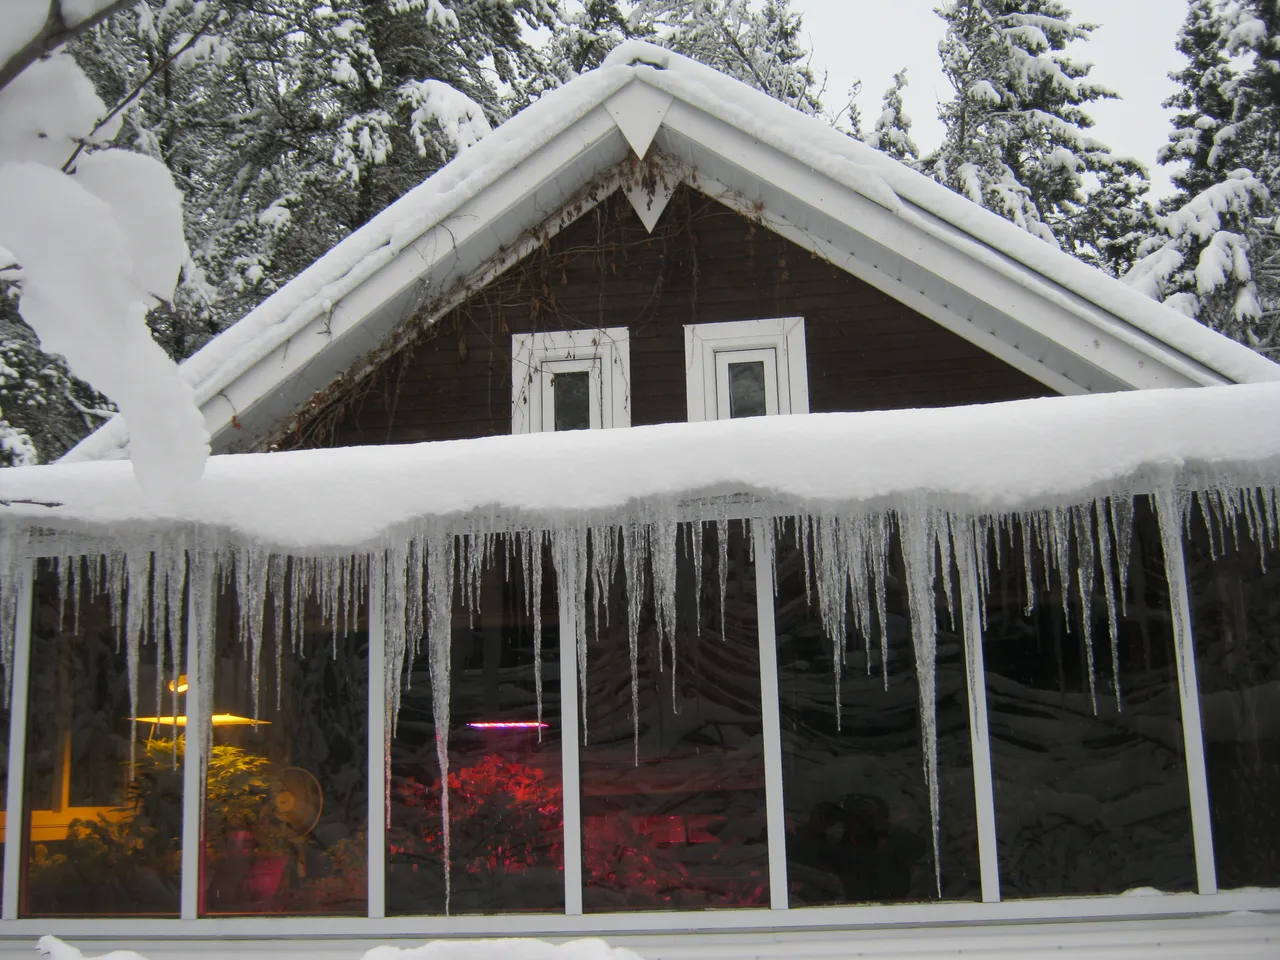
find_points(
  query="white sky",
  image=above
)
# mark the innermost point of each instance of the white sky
(1132, 52)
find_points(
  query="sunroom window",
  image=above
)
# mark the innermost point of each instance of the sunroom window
(570, 380)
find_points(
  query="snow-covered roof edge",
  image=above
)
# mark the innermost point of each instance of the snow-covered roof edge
(850, 163)
(999, 458)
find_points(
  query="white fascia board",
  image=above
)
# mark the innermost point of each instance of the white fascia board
(1120, 351)
(433, 255)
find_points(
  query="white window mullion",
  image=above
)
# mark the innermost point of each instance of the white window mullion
(379, 742)
(1192, 737)
(200, 617)
(980, 739)
(775, 812)
(14, 819)
(570, 730)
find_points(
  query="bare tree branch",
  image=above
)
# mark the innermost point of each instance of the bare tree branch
(55, 32)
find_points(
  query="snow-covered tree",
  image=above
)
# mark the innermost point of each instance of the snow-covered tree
(583, 35)
(762, 48)
(1016, 136)
(892, 132)
(1215, 254)
(90, 238)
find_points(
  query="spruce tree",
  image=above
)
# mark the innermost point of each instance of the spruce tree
(761, 48)
(892, 133)
(1215, 253)
(1016, 136)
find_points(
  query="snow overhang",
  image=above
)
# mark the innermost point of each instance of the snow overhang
(988, 460)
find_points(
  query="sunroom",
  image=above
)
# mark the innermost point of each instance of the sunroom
(1015, 662)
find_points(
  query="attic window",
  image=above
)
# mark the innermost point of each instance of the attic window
(570, 380)
(746, 368)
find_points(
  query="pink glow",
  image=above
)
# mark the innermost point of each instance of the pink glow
(507, 725)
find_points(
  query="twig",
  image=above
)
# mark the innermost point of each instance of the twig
(133, 94)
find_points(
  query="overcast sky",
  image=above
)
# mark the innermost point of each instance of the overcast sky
(1132, 52)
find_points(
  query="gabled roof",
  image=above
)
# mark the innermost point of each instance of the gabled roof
(1067, 324)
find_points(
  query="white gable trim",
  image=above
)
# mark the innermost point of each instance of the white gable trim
(639, 109)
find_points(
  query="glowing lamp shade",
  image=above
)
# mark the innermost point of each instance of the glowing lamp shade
(507, 725)
(218, 720)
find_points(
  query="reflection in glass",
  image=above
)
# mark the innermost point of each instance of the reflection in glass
(572, 400)
(1086, 803)
(505, 808)
(102, 838)
(677, 822)
(1235, 613)
(746, 389)
(286, 804)
(857, 801)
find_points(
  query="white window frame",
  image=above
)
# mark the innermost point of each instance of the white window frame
(709, 348)
(536, 359)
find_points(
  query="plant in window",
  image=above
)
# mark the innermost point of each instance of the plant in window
(504, 816)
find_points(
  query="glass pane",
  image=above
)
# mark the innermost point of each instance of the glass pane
(857, 802)
(103, 838)
(1086, 803)
(573, 400)
(287, 798)
(1235, 613)
(505, 793)
(746, 389)
(677, 821)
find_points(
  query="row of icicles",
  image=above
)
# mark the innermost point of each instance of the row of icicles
(846, 557)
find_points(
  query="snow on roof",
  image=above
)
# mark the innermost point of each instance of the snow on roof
(857, 166)
(988, 459)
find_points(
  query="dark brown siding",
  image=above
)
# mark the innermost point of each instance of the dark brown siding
(703, 263)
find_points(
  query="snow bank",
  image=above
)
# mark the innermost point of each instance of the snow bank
(505, 949)
(988, 459)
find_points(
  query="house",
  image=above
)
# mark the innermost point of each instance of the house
(973, 648)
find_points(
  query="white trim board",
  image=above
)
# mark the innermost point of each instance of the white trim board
(538, 357)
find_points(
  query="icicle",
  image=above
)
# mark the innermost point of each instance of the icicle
(1103, 518)
(397, 657)
(533, 587)
(970, 549)
(919, 545)
(696, 546)
(1082, 527)
(663, 542)
(1169, 513)
(1122, 525)
(1024, 528)
(878, 550)
(138, 567)
(722, 566)
(440, 549)
(634, 567)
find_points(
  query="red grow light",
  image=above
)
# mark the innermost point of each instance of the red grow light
(507, 725)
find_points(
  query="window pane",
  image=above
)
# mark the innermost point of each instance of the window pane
(102, 839)
(1085, 803)
(857, 802)
(505, 810)
(679, 822)
(287, 799)
(573, 400)
(746, 389)
(1235, 612)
